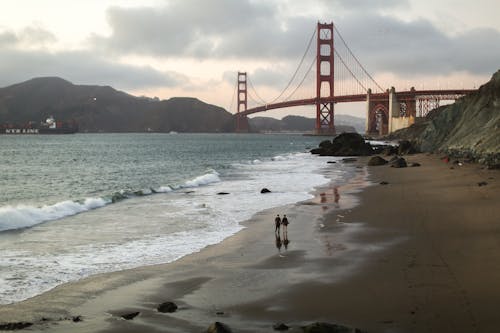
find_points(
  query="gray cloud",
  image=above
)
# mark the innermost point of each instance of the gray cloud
(83, 68)
(216, 28)
(28, 37)
(7, 39)
(222, 29)
(386, 44)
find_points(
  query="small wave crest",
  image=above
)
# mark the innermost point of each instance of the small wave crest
(23, 216)
(209, 178)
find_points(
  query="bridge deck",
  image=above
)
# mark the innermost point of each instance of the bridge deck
(411, 94)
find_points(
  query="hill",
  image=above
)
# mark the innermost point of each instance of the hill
(343, 123)
(469, 128)
(104, 109)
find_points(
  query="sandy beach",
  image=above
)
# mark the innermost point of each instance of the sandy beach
(419, 254)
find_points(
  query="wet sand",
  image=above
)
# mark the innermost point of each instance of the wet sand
(421, 254)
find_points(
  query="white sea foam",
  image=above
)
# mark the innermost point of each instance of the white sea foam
(23, 216)
(164, 189)
(149, 229)
(212, 177)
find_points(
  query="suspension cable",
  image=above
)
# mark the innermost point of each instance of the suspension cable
(303, 79)
(352, 54)
(255, 91)
(354, 76)
(234, 95)
(298, 67)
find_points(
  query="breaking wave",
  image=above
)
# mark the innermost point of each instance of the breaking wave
(25, 216)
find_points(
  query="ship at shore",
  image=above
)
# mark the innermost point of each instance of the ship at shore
(49, 126)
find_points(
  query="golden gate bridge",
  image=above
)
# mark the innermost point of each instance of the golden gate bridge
(341, 78)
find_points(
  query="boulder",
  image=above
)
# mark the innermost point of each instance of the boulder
(218, 327)
(77, 319)
(345, 144)
(265, 190)
(377, 160)
(15, 326)
(130, 316)
(398, 163)
(328, 328)
(280, 327)
(167, 307)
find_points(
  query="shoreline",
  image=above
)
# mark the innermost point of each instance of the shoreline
(383, 265)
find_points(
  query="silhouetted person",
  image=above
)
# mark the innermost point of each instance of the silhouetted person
(284, 222)
(277, 223)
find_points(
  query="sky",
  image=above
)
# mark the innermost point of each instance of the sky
(194, 48)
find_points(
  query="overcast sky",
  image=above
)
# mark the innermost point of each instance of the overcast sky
(194, 48)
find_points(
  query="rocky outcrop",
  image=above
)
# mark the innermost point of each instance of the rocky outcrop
(167, 307)
(377, 160)
(469, 128)
(345, 144)
(218, 327)
(328, 328)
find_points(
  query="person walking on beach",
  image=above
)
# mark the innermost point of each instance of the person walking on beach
(277, 223)
(285, 226)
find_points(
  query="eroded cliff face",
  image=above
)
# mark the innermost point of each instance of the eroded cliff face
(468, 128)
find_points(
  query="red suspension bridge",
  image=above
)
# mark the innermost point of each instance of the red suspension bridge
(341, 78)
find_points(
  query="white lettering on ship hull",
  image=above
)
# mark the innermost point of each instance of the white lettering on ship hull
(21, 131)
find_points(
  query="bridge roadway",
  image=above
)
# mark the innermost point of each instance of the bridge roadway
(402, 95)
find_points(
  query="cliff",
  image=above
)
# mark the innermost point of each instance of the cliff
(104, 109)
(469, 128)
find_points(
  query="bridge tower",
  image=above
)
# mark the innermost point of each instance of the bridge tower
(324, 79)
(242, 121)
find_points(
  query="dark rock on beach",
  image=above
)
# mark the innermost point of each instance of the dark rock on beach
(328, 328)
(377, 160)
(345, 144)
(223, 193)
(167, 307)
(77, 319)
(15, 326)
(218, 327)
(265, 190)
(280, 327)
(398, 163)
(130, 316)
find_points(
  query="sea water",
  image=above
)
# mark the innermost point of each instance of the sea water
(76, 205)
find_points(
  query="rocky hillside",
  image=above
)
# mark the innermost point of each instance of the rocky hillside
(104, 109)
(343, 123)
(468, 128)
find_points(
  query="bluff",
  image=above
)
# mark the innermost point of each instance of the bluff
(469, 128)
(104, 109)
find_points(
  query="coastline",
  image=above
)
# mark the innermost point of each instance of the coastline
(396, 262)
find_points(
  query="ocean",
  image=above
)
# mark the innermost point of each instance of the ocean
(76, 205)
